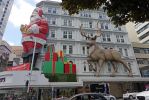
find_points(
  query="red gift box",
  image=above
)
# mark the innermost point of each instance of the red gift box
(70, 68)
(47, 56)
(66, 68)
(55, 57)
(74, 68)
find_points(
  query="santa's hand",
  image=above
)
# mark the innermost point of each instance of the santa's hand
(22, 28)
(29, 31)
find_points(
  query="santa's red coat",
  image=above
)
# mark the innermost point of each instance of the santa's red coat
(28, 42)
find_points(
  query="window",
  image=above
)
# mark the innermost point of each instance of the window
(65, 34)
(117, 38)
(100, 15)
(70, 35)
(102, 26)
(140, 61)
(106, 37)
(87, 24)
(106, 26)
(136, 50)
(49, 10)
(2, 19)
(84, 68)
(126, 52)
(85, 14)
(52, 10)
(64, 49)
(52, 21)
(70, 49)
(90, 24)
(65, 12)
(146, 51)
(67, 22)
(83, 49)
(103, 37)
(120, 38)
(120, 50)
(53, 33)
(87, 50)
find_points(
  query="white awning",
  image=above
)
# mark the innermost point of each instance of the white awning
(116, 79)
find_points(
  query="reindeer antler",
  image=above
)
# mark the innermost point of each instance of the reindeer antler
(83, 33)
(98, 31)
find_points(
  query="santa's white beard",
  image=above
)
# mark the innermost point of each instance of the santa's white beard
(34, 18)
(34, 29)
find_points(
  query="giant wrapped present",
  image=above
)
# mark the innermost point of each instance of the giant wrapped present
(47, 56)
(69, 68)
(52, 67)
(51, 56)
(55, 56)
(60, 54)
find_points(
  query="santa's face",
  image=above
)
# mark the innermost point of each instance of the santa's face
(35, 16)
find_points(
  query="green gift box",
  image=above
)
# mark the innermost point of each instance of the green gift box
(63, 59)
(62, 78)
(53, 67)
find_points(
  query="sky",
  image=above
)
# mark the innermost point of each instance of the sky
(20, 14)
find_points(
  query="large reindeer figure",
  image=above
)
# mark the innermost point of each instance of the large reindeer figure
(101, 55)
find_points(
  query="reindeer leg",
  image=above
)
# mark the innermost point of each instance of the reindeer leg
(125, 65)
(95, 67)
(114, 69)
(100, 65)
(90, 65)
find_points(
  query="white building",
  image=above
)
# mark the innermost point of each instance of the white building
(5, 8)
(142, 30)
(64, 34)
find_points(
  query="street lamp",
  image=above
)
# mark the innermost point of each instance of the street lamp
(30, 73)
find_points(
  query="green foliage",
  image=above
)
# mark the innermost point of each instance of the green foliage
(120, 11)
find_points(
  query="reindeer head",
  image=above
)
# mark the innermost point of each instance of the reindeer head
(91, 39)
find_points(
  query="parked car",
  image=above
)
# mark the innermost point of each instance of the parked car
(109, 96)
(143, 95)
(129, 96)
(88, 96)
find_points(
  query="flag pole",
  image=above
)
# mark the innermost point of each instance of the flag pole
(31, 69)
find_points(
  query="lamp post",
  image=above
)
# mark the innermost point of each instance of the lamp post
(30, 73)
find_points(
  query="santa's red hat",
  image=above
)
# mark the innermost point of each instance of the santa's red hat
(38, 11)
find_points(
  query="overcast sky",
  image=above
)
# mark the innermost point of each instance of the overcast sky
(20, 14)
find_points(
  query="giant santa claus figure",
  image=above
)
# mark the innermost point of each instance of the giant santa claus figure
(36, 31)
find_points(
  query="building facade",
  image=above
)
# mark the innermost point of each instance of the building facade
(17, 50)
(64, 35)
(5, 51)
(5, 8)
(15, 57)
(142, 55)
(142, 30)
